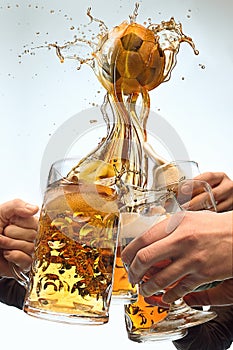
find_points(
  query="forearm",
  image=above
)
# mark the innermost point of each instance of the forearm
(213, 335)
(11, 292)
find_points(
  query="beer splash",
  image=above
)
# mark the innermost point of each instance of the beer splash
(129, 61)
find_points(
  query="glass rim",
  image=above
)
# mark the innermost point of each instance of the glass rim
(180, 161)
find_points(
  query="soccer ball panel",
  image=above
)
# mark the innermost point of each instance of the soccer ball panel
(131, 42)
(140, 31)
(129, 64)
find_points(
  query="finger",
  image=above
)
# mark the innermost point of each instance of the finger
(197, 298)
(213, 179)
(180, 289)
(163, 279)
(4, 266)
(223, 194)
(225, 205)
(7, 243)
(20, 233)
(154, 234)
(25, 222)
(22, 260)
(201, 202)
(142, 241)
(156, 300)
(152, 256)
(16, 207)
(198, 195)
(191, 188)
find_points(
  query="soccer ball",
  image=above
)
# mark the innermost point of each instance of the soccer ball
(129, 59)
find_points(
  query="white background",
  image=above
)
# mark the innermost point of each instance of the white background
(39, 94)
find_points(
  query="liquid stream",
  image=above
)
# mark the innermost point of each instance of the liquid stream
(129, 61)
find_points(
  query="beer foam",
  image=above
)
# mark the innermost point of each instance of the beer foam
(133, 224)
(166, 174)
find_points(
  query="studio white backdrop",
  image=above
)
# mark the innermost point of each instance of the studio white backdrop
(39, 95)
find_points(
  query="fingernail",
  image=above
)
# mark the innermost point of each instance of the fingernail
(131, 280)
(143, 291)
(186, 206)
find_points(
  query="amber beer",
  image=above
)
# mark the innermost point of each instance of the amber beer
(131, 226)
(123, 291)
(71, 276)
(140, 317)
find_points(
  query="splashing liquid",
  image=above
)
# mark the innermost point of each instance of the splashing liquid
(129, 61)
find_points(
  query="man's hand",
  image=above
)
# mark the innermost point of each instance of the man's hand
(222, 294)
(18, 228)
(199, 250)
(222, 187)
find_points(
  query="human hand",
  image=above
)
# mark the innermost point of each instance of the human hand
(196, 248)
(222, 294)
(18, 229)
(222, 188)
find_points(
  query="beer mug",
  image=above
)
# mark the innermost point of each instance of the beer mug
(72, 271)
(123, 291)
(143, 320)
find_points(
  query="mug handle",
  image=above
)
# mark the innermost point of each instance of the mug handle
(20, 276)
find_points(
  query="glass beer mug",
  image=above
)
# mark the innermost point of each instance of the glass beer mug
(71, 275)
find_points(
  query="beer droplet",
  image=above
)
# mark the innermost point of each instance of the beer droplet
(202, 66)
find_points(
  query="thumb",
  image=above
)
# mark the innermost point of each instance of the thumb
(16, 207)
(197, 298)
(222, 294)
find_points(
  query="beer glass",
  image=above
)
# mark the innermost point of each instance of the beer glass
(134, 220)
(145, 208)
(177, 177)
(72, 271)
(174, 171)
(123, 291)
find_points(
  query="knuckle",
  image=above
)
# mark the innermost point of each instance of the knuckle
(31, 248)
(231, 185)
(33, 235)
(8, 230)
(16, 202)
(19, 258)
(29, 236)
(191, 233)
(150, 288)
(142, 257)
(207, 176)
(185, 287)
(5, 242)
(222, 175)
(160, 282)
(190, 239)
